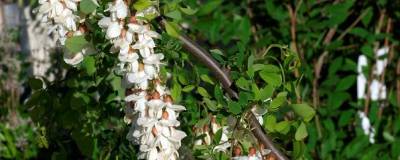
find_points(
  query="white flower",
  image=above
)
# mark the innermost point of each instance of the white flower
(67, 19)
(136, 77)
(259, 112)
(139, 99)
(199, 141)
(148, 11)
(71, 4)
(52, 8)
(75, 59)
(378, 90)
(380, 62)
(113, 30)
(254, 157)
(155, 108)
(104, 22)
(154, 59)
(144, 47)
(143, 31)
(119, 10)
(131, 58)
(361, 79)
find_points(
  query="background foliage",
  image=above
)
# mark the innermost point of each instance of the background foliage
(80, 115)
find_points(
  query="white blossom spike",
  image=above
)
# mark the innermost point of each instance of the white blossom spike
(153, 117)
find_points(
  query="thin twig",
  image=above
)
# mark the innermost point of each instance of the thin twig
(352, 25)
(389, 59)
(293, 18)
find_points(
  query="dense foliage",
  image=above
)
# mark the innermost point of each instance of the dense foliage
(284, 57)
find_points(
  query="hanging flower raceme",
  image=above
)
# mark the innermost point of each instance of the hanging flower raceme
(377, 88)
(150, 109)
(61, 16)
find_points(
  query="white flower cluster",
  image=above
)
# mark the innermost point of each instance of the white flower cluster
(61, 16)
(150, 109)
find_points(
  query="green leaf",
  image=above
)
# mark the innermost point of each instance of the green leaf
(283, 127)
(217, 137)
(336, 99)
(266, 92)
(346, 83)
(266, 68)
(242, 83)
(270, 122)
(142, 4)
(87, 6)
(218, 94)
(367, 18)
(256, 92)
(277, 12)
(85, 143)
(89, 65)
(209, 7)
(388, 137)
(174, 15)
(188, 88)
(234, 107)
(172, 29)
(301, 132)
(187, 10)
(345, 117)
(303, 110)
(361, 32)
(203, 92)
(271, 78)
(35, 84)
(298, 149)
(75, 44)
(278, 101)
(339, 12)
(206, 78)
(367, 50)
(245, 31)
(210, 104)
(176, 92)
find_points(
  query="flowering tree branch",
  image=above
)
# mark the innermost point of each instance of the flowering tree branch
(204, 57)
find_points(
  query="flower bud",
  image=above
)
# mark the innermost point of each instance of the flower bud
(167, 99)
(155, 95)
(123, 33)
(154, 131)
(252, 151)
(237, 151)
(165, 115)
(132, 19)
